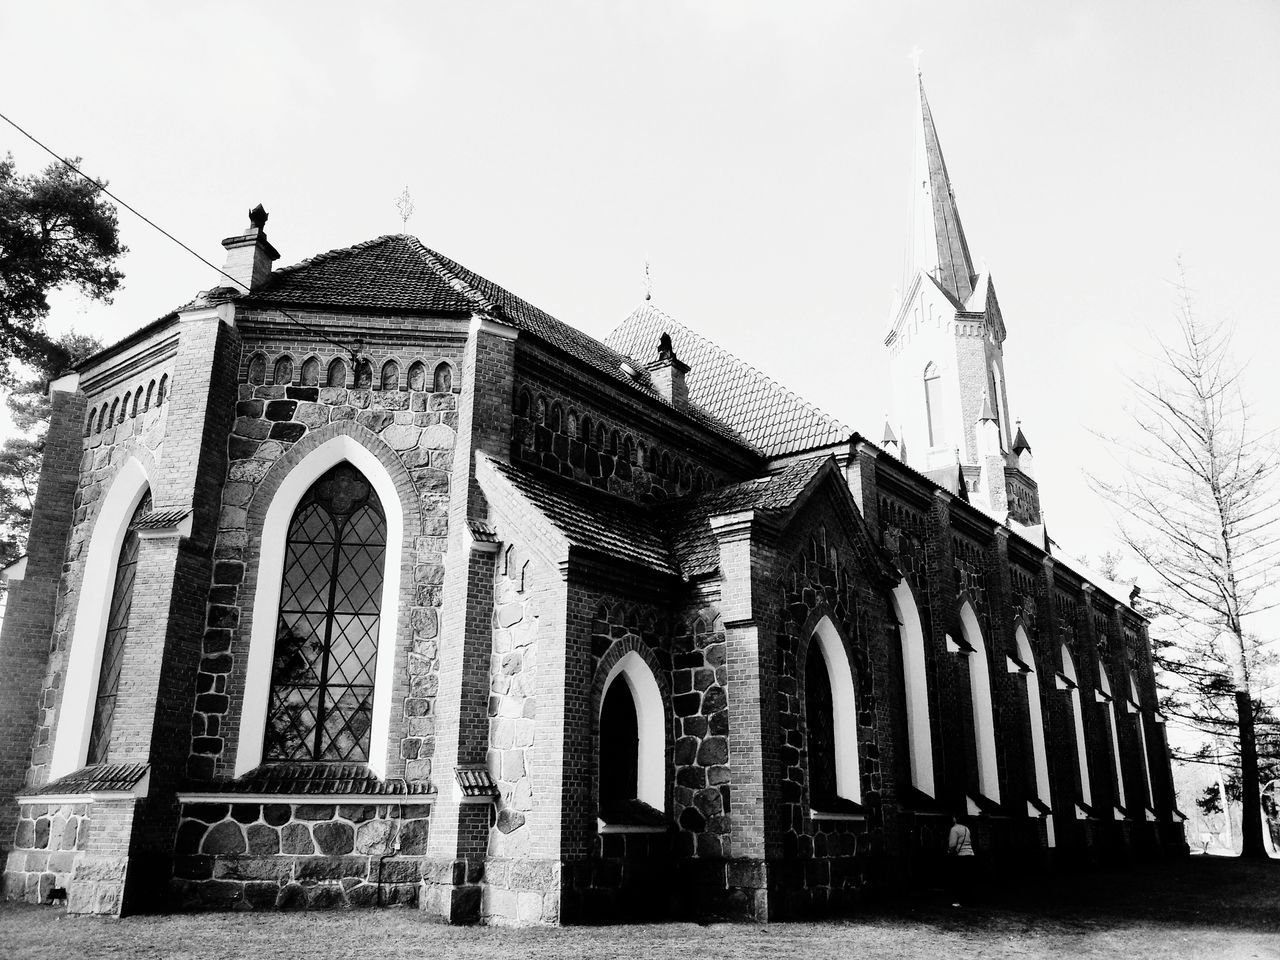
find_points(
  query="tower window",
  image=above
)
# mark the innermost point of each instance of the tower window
(933, 405)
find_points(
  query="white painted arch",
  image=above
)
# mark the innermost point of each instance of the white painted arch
(844, 707)
(1077, 721)
(1035, 716)
(1135, 704)
(84, 655)
(651, 765)
(266, 597)
(984, 725)
(915, 677)
(1106, 698)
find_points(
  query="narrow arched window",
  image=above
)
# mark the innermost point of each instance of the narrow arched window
(1026, 665)
(391, 375)
(557, 419)
(821, 734)
(600, 437)
(337, 375)
(124, 407)
(664, 467)
(417, 375)
(321, 702)
(540, 410)
(614, 442)
(443, 381)
(137, 402)
(831, 722)
(984, 724)
(619, 752)
(584, 429)
(1135, 707)
(364, 374)
(103, 415)
(916, 683)
(88, 426)
(311, 372)
(151, 393)
(115, 411)
(1068, 681)
(283, 372)
(571, 426)
(1106, 698)
(162, 389)
(933, 406)
(258, 368)
(629, 449)
(104, 707)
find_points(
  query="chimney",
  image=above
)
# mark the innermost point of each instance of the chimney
(249, 255)
(668, 373)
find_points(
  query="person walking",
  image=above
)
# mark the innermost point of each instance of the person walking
(961, 859)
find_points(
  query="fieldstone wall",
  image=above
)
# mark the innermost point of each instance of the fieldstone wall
(46, 846)
(295, 856)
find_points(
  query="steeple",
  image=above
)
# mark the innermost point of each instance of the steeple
(937, 244)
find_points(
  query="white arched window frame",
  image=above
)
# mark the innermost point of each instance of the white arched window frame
(84, 660)
(266, 597)
(1026, 665)
(915, 678)
(1135, 707)
(844, 707)
(984, 724)
(1068, 681)
(1105, 698)
(651, 765)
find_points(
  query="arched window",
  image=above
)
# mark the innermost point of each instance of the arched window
(162, 389)
(337, 374)
(1035, 715)
(571, 426)
(417, 375)
(283, 372)
(664, 470)
(88, 426)
(614, 442)
(1113, 734)
(322, 679)
(115, 411)
(540, 410)
(1135, 707)
(984, 725)
(911, 637)
(632, 739)
(651, 461)
(137, 402)
(104, 707)
(584, 429)
(442, 382)
(933, 406)
(258, 368)
(556, 420)
(364, 374)
(1069, 682)
(151, 392)
(629, 449)
(124, 407)
(104, 417)
(831, 722)
(600, 437)
(391, 375)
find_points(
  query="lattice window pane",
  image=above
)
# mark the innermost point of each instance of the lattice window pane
(327, 635)
(104, 708)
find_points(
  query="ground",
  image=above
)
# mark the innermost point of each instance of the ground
(1197, 907)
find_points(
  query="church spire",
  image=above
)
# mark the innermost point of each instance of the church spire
(937, 244)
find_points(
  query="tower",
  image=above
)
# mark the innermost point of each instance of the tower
(946, 354)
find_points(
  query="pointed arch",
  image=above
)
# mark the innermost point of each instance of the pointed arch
(93, 613)
(556, 421)
(162, 390)
(826, 647)
(1106, 698)
(310, 376)
(151, 392)
(1035, 715)
(649, 733)
(115, 411)
(124, 407)
(390, 379)
(1070, 682)
(137, 402)
(417, 375)
(103, 415)
(364, 374)
(88, 425)
(984, 725)
(256, 369)
(442, 379)
(524, 403)
(584, 429)
(916, 683)
(282, 372)
(336, 375)
(272, 508)
(1135, 707)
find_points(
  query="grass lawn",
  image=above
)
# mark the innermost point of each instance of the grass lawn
(1200, 907)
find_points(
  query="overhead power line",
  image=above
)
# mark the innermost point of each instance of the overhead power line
(353, 350)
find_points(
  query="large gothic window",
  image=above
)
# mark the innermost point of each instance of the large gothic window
(104, 708)
(326, 649)
(819, 713)
(619, 750)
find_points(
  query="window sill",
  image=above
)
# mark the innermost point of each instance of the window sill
(603, 827)
(846, 816)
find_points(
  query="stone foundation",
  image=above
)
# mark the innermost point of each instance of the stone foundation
(47, 845)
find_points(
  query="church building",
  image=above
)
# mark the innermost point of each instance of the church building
(365, 582)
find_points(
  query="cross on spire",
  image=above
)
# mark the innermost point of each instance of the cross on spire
(404, 204)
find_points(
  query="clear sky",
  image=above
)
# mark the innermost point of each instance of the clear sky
(758, 154)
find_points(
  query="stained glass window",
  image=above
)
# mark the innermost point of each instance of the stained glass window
(104, 708)
(327, 634)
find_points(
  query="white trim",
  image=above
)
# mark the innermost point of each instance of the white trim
(919, 737)
(651, 766)
(341, 799)
(1142, 742)
(984, 724)
(1077, 718)
(266, 597)
(67, 383)
(1113, 731)
(1035, 715)
(844, 707)
(848, 817)
(92, 797)
(93, 608)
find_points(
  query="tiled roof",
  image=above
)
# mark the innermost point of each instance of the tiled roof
(591, 518)
(762, 411)
(99, 778)
(341, 779)
(686, 520)
(398, 272)
(161, 519)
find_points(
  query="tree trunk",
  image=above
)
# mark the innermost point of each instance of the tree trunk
(1252, 847)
